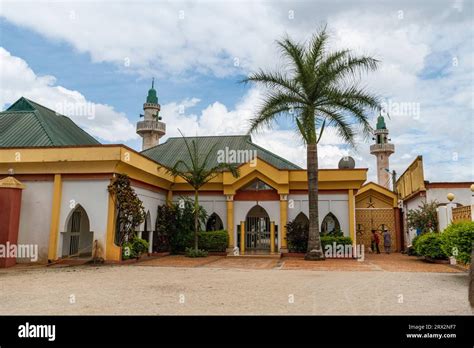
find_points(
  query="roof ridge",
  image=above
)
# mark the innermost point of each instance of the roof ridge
(273, 154)
(42, 124)
(44, 107)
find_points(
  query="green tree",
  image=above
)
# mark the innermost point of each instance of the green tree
(425, 218)
(197, 170)
(130, 210)
(319, 89)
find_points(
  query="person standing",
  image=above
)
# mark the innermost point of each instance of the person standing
(375, 241)
(387, 240)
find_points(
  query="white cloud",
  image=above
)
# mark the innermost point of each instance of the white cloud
(418, 49)
(100, 120)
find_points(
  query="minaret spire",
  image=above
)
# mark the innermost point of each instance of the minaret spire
(382, 150)
(151, 129)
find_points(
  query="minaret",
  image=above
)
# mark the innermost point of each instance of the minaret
(382, 149)
(151, 129)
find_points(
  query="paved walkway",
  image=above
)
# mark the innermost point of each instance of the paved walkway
(391, 263)
(382, 284)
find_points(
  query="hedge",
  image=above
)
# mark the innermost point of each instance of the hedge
(213, 240)
(329, 240)
(457, 241)
(429, 245)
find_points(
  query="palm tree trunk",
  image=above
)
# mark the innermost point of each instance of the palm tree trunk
(315, 251)
(196, 219)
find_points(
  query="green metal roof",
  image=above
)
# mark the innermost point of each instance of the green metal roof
(174, 149)
(26, 123)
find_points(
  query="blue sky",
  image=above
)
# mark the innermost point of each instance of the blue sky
(105, 53)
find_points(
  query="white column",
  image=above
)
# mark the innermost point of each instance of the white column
(449, 212)
(472, 202)
(442, 218)
(150, 239)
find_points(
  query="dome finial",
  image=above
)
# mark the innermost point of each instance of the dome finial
(152, 82)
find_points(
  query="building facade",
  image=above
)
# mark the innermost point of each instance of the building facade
(67, 210)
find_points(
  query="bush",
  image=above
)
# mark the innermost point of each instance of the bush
(191, 252)
(429, 245)
(213, 240)
(297, 237)
(329, 240)
(457, 241)
(412, 249)
(425, 218)
(175, 224)
(133, 249)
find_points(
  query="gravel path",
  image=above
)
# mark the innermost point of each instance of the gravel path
(141, 289)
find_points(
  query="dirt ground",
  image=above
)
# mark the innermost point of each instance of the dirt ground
(393, 284)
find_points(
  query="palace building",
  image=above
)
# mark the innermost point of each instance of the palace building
(54, 178)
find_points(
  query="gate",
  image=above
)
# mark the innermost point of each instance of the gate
(257, 234)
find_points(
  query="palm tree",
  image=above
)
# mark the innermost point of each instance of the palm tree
(320, 89)
(197, 171)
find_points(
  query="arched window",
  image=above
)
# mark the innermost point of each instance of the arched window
(330, 225)
(214, 223)
(77, 239)
(302, 220)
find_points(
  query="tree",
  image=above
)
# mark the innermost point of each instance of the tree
(130, 210)
(319, 89)
(198, 170)
(425, 218)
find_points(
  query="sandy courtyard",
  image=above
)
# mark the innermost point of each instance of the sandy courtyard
(221, 286)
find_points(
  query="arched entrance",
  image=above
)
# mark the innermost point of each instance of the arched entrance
(77, 240)
(147, 228)
(257, 229)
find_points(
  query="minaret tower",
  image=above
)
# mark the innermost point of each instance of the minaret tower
(151, 129)
(382, 149)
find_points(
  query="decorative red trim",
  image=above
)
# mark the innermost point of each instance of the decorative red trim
(262, 195)
(201, 193)
(147, 186)
(88, 176)
(305, 192)
(448, 184)
(32, 177)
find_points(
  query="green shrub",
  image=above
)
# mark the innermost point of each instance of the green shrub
(329, 240)
(297, 237)
(429, 245)
(213, 240)
(457, 241)
(191, 252)
(133, 249)
(412, 250)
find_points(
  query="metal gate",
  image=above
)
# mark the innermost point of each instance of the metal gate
(74, 244)
(257, 234)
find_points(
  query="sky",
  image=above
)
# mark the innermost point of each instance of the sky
(102, 55)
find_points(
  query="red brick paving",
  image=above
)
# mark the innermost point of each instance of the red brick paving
(179, 261)
(394, 262)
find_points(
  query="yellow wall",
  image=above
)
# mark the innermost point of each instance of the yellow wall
(113, 159)
(412, 180)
